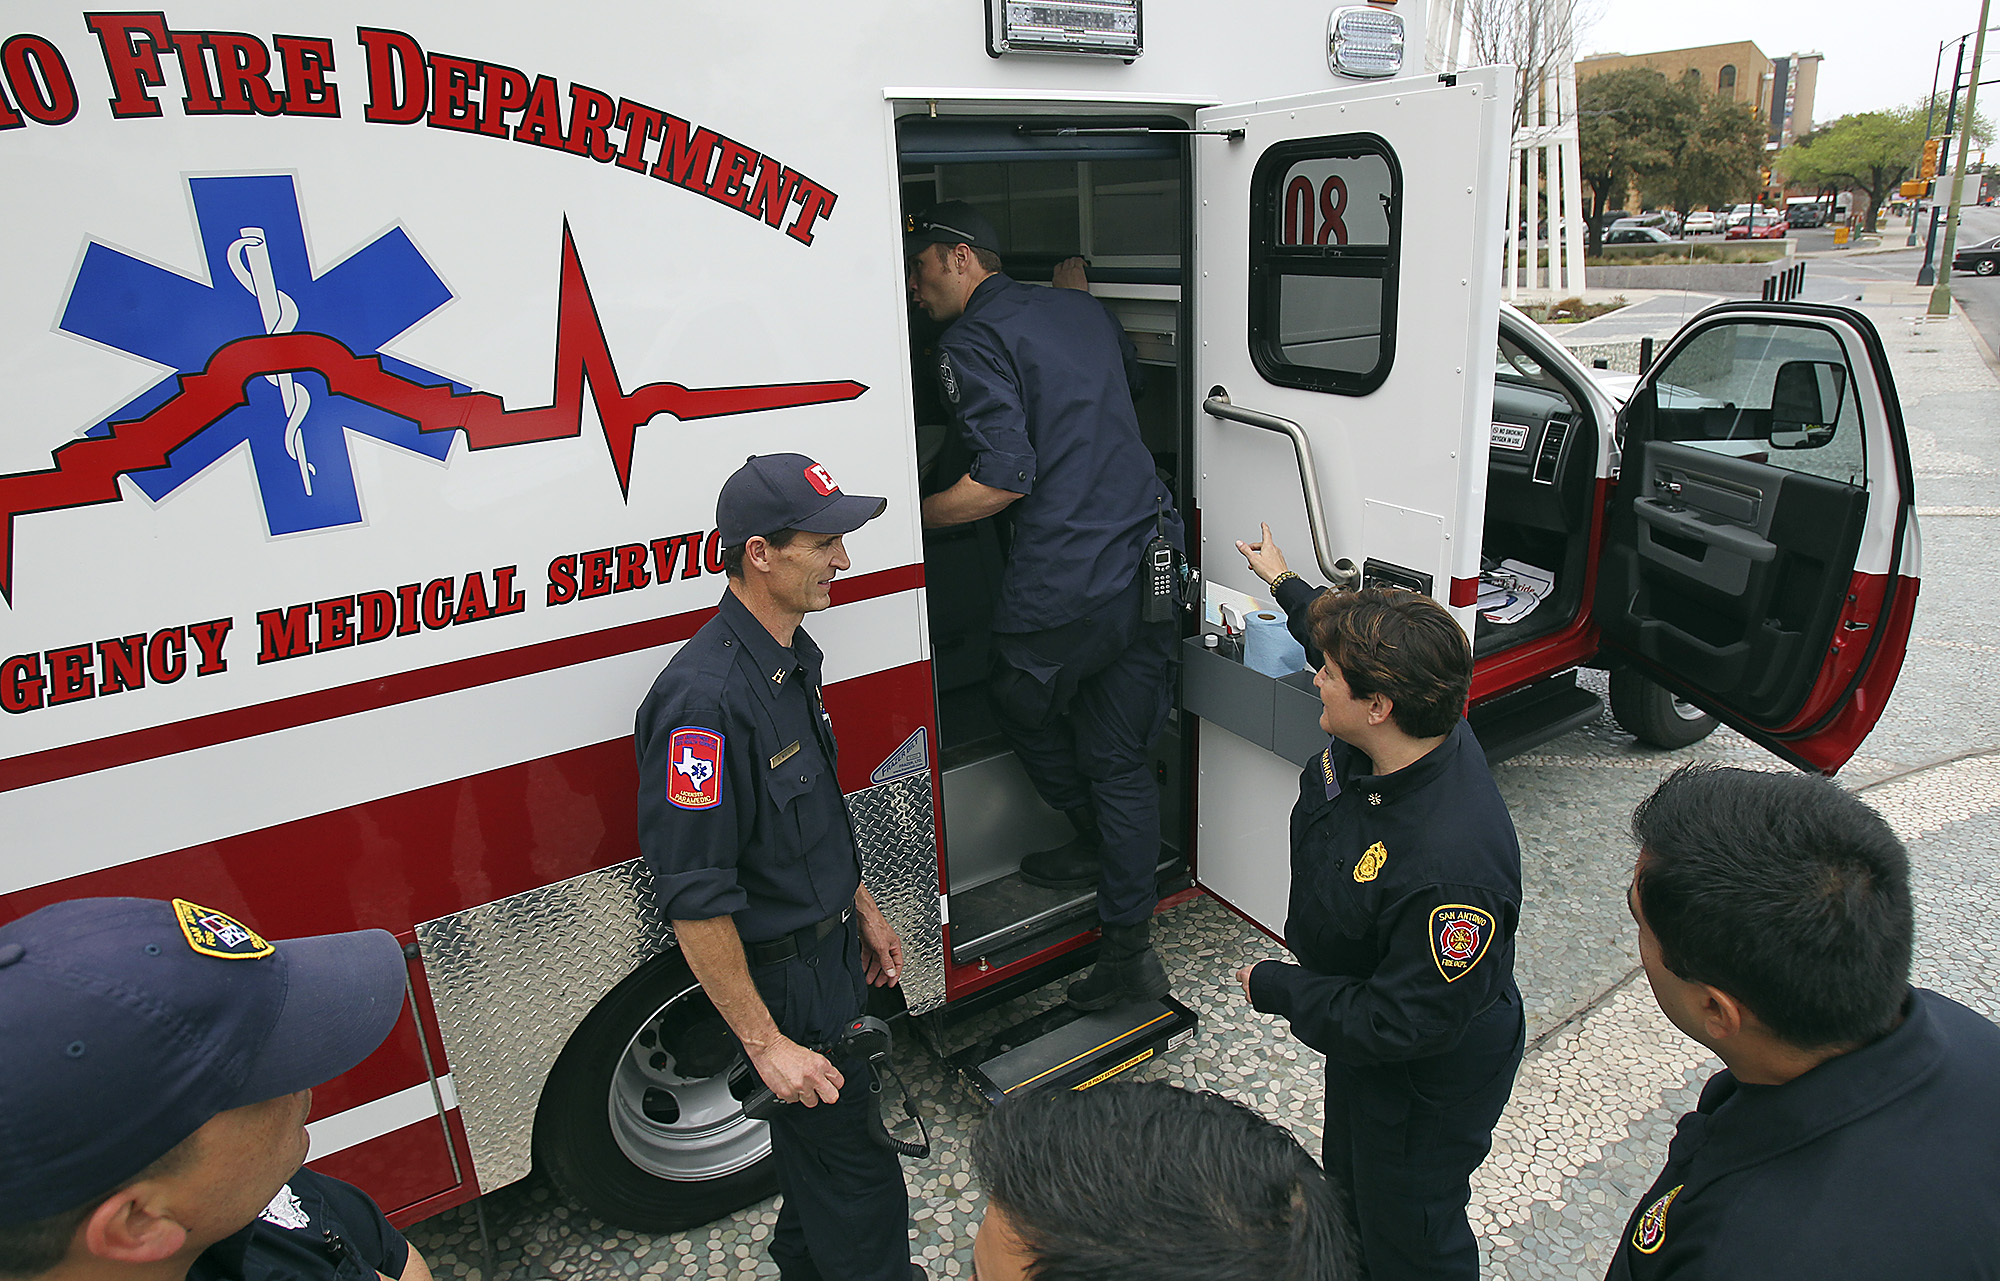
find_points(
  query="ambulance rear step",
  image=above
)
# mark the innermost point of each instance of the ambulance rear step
(1068, 1049)
(1525, 719)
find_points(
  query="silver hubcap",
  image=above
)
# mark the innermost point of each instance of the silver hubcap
(1688, 711)
(676, 1127)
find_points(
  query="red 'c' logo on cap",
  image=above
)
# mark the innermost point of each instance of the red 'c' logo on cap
(816, 474)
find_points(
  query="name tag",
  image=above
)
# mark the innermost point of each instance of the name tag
(785, 755)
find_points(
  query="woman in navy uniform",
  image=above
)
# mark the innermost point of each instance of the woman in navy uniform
(1406, 889)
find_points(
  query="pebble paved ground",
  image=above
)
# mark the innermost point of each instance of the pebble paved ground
(1606, 1076)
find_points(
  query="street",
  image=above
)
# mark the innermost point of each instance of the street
(1606, 1076)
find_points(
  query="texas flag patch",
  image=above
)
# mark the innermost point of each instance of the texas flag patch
(694, 768)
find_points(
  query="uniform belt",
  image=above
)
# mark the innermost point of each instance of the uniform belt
(787, 946)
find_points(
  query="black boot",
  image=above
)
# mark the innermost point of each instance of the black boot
(1070, 866)
(1127, 969)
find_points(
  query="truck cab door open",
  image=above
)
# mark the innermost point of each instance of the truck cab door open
(1762, 559)
(1347, 251)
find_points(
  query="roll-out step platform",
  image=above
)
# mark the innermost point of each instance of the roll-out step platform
(1070, 1049)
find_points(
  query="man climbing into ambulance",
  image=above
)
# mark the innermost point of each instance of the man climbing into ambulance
(1039, 383)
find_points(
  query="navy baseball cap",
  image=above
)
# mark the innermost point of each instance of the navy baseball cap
(126, 1023)
(949, 222)
(770, 492)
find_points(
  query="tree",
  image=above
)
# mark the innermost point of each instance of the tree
(1870, 151)
(1624, 126)
(1712, 155)
(1536, 37)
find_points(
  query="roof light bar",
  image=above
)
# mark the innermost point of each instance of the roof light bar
(1089, 28)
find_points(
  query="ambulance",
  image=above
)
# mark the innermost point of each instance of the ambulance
(370, 371)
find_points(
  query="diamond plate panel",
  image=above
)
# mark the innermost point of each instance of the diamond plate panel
(895, 828)
(510, 982)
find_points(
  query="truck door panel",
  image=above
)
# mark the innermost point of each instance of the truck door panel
(1763, 527)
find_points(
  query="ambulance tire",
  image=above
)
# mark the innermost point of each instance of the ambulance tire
(1651, 713)
(624, 1135)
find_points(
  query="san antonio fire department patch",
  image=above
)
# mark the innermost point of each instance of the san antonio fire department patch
(1651, 1233)
(694, 768)
(218, 934)
(1371, 863)
(1460, 936)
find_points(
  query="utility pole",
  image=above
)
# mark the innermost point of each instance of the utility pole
(1941, 295)
(1927, 274)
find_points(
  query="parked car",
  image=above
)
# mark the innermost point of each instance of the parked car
(1807, 215)
(1982, 259)
(1611, 217)
(1667, 222)
(1623, 235)
(1701, 220)
(1738, 215)
(1761, 225)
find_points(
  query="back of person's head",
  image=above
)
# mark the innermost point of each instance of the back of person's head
(1145, 1181)
(128, 1025)
(1783, 890)
(1402, 645)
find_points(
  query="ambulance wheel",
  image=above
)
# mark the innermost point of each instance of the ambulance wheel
(1652, 714)
(641, 1121)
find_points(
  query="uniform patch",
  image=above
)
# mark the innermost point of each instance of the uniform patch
(947, 379)
(286, 1211)
(219, 934)
(818, 477)
(1326, 770)
(694, 768)
(1651, 1232)
(1460, 936)
(1371, 863)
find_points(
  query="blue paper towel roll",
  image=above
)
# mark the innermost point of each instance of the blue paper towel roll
(1269, 648)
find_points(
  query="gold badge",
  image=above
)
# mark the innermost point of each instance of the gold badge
(1371, 863)
(785, 755)
(1460, 937)
(1651, 1233)
(218, 934)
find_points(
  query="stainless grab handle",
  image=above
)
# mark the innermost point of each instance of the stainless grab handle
(1338, 570)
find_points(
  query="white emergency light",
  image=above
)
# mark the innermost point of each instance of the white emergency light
(1092, 28)
(1364, 42)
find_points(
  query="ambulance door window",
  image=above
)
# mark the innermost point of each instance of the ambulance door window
(1325, 221)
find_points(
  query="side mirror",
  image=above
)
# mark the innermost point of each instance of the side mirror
(1806, 401)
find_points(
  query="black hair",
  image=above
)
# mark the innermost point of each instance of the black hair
(40, 1245)
(1784, 890)
(1145, 1181)
(1400, 644)
(732, 557)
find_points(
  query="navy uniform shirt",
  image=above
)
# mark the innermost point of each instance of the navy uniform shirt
(1878, 1164)
(1040, 383)
(740, 812)
(1406, 889)
(316, 1229)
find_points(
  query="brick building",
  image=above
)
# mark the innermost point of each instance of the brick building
(1780, 89)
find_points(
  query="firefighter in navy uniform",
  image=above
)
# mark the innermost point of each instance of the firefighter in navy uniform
(1855, 1129)
(1406, 890)
(1039, 383)
(742, 820)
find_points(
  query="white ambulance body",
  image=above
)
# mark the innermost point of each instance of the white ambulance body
(370, 372)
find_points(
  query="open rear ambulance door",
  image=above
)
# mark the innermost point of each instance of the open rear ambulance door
(1347, 250)
(1762, 555)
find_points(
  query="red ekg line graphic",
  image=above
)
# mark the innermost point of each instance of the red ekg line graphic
(87, 471)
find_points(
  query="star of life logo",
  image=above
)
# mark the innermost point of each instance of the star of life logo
(262, 280)
(694, 777)
(272, 355)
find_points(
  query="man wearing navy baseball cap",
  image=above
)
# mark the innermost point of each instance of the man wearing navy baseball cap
(159, 1060)
(742, 820)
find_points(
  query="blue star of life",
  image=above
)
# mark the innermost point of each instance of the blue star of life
(262, 282)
